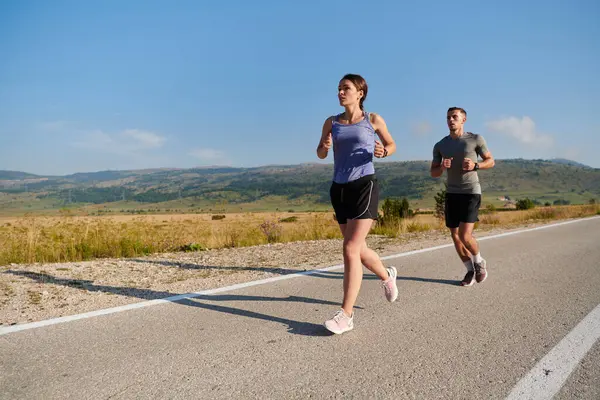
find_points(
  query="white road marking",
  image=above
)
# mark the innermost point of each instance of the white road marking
(113, 310)
(550, 374)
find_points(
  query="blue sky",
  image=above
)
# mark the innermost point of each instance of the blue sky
(89, 86)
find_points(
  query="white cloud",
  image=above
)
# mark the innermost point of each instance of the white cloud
(96, 140)
(422, 128)
(521, 129)
(55, 126)
(210, 156)
(144, 138)
(130, 141)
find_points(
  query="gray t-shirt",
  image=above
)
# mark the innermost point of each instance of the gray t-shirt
(468, 145)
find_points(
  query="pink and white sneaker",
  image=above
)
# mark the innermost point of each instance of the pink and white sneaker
(389, 285)
(340, 323)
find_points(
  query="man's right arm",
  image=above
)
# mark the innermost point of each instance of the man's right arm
(437, 169)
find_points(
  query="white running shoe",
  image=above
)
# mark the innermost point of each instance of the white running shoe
(340, 323)
(389, 285)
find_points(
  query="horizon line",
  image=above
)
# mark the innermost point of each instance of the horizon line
(268, 166)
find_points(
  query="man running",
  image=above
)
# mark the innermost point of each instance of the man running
(457, 154)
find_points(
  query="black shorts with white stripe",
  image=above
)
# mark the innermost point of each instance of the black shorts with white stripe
(357, 199)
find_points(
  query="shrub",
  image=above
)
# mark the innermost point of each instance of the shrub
(192, 247)
(271, 230)
(289, 219)
(394, 210)
(525, 204)
(440, 203)
(561, 202)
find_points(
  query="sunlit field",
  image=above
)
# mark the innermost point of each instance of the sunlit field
(32, 239)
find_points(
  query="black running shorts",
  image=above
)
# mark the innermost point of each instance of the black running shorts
(461, 208)
(358, 199)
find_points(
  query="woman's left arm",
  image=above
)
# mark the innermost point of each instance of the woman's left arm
(387, 146)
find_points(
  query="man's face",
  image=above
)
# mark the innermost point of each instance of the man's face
(455, 120)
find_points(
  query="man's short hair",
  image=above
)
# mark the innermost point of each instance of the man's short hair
(462, 110)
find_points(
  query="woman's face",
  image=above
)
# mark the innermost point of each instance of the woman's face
(348, 94)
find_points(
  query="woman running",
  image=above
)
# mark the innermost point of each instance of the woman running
(355, 192)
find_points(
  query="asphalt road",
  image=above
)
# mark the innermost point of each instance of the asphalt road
(438, 340)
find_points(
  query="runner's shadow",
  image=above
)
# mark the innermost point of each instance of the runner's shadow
(293, 327)
(195, 300)
(370, 276)
(193, 266)
(429, 280)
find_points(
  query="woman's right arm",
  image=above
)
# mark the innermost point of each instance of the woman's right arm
(326, 141)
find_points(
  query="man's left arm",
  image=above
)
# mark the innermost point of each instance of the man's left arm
(484, 153)
(482, 150)
(488, 161)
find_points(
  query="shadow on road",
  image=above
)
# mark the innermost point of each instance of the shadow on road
(195, 300)
(293, 327)
(429, 280)
(206, 301)
(287, 271)
(200, 267)
(371, 276)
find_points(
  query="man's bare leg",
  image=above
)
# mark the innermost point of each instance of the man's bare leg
(464, 254)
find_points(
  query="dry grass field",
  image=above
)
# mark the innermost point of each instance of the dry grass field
(35, 239)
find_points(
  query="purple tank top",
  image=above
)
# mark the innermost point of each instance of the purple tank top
(353, 147)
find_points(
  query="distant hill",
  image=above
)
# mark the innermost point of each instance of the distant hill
(546, 180)
(569, 162)
(16, 175)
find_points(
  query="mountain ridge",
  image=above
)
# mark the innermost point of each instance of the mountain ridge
(236, 185)
(14, 174)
